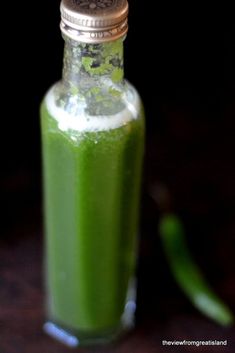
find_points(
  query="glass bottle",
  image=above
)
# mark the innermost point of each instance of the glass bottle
(92, 127)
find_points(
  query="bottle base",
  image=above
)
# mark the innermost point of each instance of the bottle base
(74, 339)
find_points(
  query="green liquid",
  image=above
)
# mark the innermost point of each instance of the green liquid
(91, 192)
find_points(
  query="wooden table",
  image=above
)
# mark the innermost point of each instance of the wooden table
(21, 310)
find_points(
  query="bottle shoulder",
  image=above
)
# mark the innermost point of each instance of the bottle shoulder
(104, 98)
(71, 111)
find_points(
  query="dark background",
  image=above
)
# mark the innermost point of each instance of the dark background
(181, 60)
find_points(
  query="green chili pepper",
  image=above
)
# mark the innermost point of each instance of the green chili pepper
(188, 275)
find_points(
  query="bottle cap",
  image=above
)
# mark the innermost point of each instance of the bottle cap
(94, 21)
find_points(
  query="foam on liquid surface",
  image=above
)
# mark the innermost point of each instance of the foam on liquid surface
(84, 122)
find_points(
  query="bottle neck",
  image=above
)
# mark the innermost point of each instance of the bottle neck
(91, 68)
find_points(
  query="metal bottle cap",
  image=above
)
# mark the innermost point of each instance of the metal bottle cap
(94, 21)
